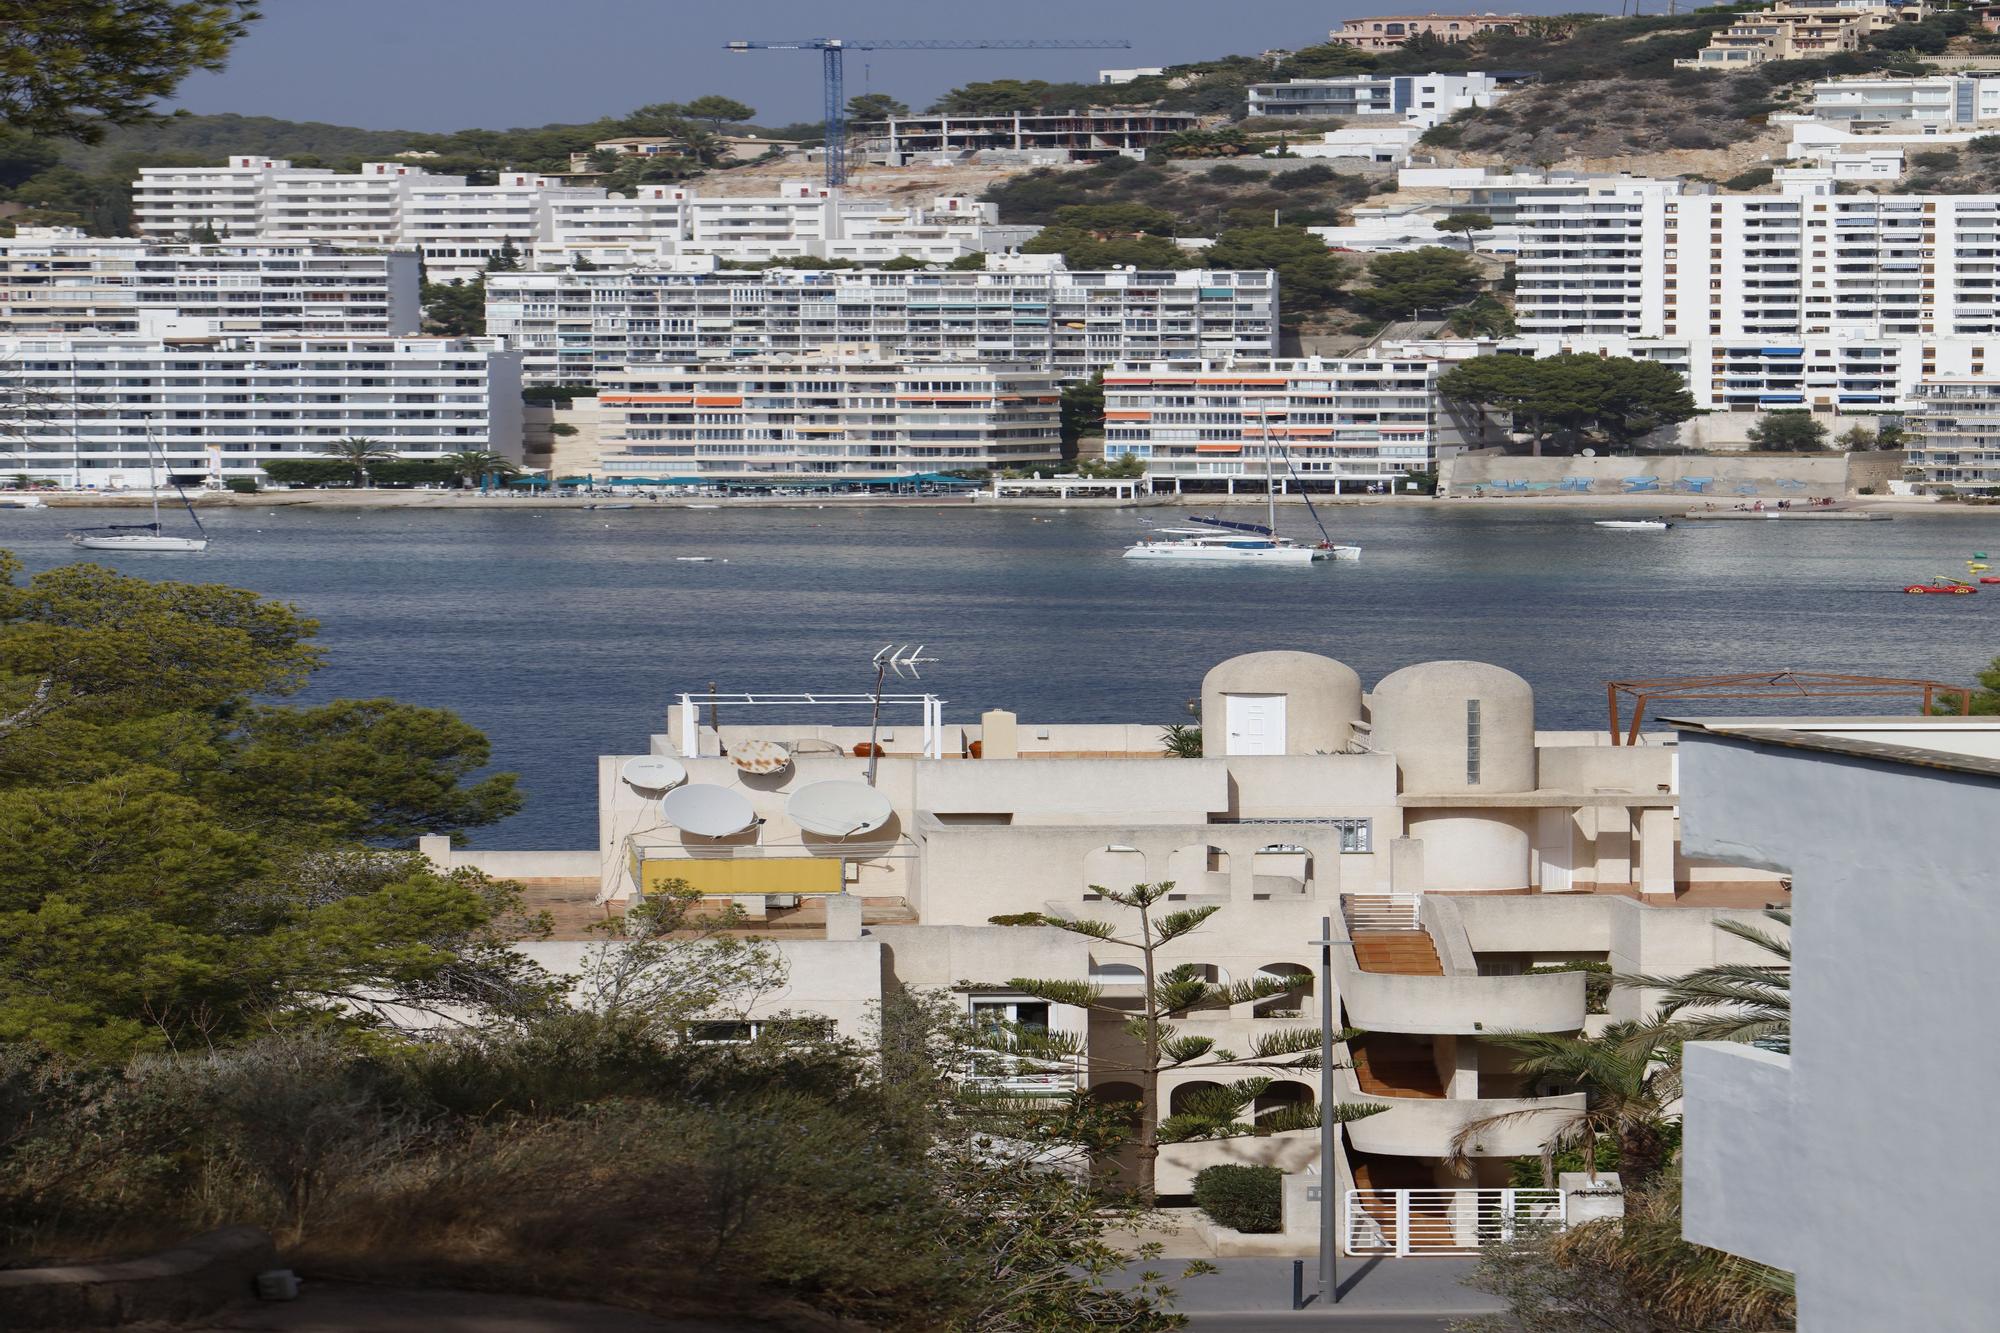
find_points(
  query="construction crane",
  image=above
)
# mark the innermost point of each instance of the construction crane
(832, 49)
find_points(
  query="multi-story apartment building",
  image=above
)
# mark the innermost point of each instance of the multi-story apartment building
(1823, 372)
(1423, 100)
(1945, 100)
(459, 228)
(1068, 136)
(847, 416)
(1385, 32)
(1359, 422)
(1800, 30)
(57, 281)
(83, 407)
(574, 326)
(1953, 425)
(1456, 849)
(1648, 259)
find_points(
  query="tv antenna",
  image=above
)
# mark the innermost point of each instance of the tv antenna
(903, 659)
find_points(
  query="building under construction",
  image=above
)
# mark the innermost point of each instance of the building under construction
(1077, 136)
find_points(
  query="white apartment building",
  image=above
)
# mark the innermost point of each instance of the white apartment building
(1428, 815)
(222, 408)
(1356, 422)
(1954, 432)
(1066, 136)
(854, 415)
(1823, 372)
(1646, 259)
(55, 281)
(459, 228)
(1949, 100)
(575, 326)
(1133, 75)
(1422, 100)
(1801, 30)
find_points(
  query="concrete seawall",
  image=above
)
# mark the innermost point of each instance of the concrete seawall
(1764, 477)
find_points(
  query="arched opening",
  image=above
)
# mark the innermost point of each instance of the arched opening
(1300, 984)
(1126, 1098)
(1279, 1101)
(1178, 1099)
(1116, 867)
(1115, 975)
(1198, 868)
(1284, 860)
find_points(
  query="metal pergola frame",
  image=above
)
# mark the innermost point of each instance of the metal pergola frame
(1785, 684)
(931, 705)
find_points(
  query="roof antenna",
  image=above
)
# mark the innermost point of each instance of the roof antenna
(904, 661)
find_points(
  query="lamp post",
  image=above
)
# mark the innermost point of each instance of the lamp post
(1329, 1213)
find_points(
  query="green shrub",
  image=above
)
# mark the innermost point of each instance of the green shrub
(1243, 1198)
(1754, 179)
(1866, 490)
(241, 485)
(1596, 981)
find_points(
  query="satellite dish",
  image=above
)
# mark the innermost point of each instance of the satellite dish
(653, 772)
(761, 757)
(706, 810)
(839, 808)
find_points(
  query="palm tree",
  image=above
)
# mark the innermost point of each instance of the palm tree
(1628, 1078)
(360, 453)
(469, 465)
(1746, 1002)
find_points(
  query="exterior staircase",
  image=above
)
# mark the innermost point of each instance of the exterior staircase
(1408, 953)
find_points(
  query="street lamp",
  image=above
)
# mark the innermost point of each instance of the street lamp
(1329, 1249)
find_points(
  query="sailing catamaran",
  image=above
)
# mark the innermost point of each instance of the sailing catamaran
(145, 536)
(1229, 540)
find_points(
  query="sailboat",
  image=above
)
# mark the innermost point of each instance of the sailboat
(1226, 540)
(145, 536)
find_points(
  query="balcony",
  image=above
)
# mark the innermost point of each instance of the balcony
(1421, 977)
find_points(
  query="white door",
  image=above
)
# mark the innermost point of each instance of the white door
(1256, 723)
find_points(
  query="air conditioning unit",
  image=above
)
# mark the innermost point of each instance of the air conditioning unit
(782, 900)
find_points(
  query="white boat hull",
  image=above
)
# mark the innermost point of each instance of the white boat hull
(1223, 555)
(141, 542)
(1633, 525)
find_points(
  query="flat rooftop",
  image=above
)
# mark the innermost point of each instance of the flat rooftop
(1951, 744)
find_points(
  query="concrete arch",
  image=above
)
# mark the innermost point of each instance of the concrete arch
(1199, 868)
(1117, 867)
(1304, 984)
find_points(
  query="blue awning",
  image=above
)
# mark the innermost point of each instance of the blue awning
(1781, 398)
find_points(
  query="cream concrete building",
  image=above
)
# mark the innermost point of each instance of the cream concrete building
(1453, 846)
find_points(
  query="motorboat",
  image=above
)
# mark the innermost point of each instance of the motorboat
(23, 502)
(1946, 586)
(1634, 524)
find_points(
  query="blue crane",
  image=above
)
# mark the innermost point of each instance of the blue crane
(832, 49)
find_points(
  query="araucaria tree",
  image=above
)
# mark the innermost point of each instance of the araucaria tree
(77, 67)
(1167, 994)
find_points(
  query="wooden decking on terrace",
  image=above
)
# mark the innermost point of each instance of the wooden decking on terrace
(1407, 953)
(1390, 1072)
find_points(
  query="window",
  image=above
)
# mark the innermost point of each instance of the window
(1472, 742)
(1029, 1015)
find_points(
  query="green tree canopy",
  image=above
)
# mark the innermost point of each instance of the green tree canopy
(1432, 278)
(1571, 395)
(456, 309)
(1082, 249)
(1310, 276)
(1000, 97)
(874, 106)
(75, 68)
(190, 864)
(719, 111)
(1464, 223)
(1788, 433)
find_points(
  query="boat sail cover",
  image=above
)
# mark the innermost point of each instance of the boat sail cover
(1233, 525)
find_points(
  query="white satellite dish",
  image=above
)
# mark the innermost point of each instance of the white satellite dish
(839, 809)
(707, 810)
(653, 772)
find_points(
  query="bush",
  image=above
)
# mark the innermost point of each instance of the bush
(1754, 179)
(1985, 143)
(1866, 490)
(1596, 981)
(241, 485)
(1243, 1198)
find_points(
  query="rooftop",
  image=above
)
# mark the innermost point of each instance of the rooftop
(1953, 744)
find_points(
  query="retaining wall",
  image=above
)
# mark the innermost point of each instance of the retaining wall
(1774, 477)
(194, 1279)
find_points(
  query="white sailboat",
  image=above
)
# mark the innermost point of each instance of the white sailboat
(1226, 541)
(144, 536)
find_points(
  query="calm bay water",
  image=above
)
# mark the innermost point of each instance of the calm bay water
(565, 634)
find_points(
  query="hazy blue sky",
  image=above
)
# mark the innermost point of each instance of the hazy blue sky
(454, 64)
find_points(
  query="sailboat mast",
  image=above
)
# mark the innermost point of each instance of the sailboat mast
(152, 485)
(1270, 482)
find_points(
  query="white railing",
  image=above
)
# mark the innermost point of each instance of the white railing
(1419, 1222)
(1381, 911)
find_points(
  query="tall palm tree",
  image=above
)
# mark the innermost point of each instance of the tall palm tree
(1748, 1002)
(1628, 1078)
(360, 453)
(469, 465)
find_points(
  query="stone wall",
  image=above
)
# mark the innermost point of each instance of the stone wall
(1759, 476)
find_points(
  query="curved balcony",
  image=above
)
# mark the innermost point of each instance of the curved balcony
(1414, 1127)
(1458, 1004)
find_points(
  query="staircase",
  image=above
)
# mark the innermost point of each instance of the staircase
(1407, 953)
(1390, 1073)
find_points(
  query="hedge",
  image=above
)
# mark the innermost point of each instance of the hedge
(1243, 1198)
(331, 471)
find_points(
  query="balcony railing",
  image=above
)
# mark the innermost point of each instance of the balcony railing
(1436, 1221)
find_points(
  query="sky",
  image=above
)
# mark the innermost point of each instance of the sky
(498, 64)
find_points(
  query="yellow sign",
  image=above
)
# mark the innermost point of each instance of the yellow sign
(751, 875)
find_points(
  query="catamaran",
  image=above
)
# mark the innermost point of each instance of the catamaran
(1225, 540)
(145, 536)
